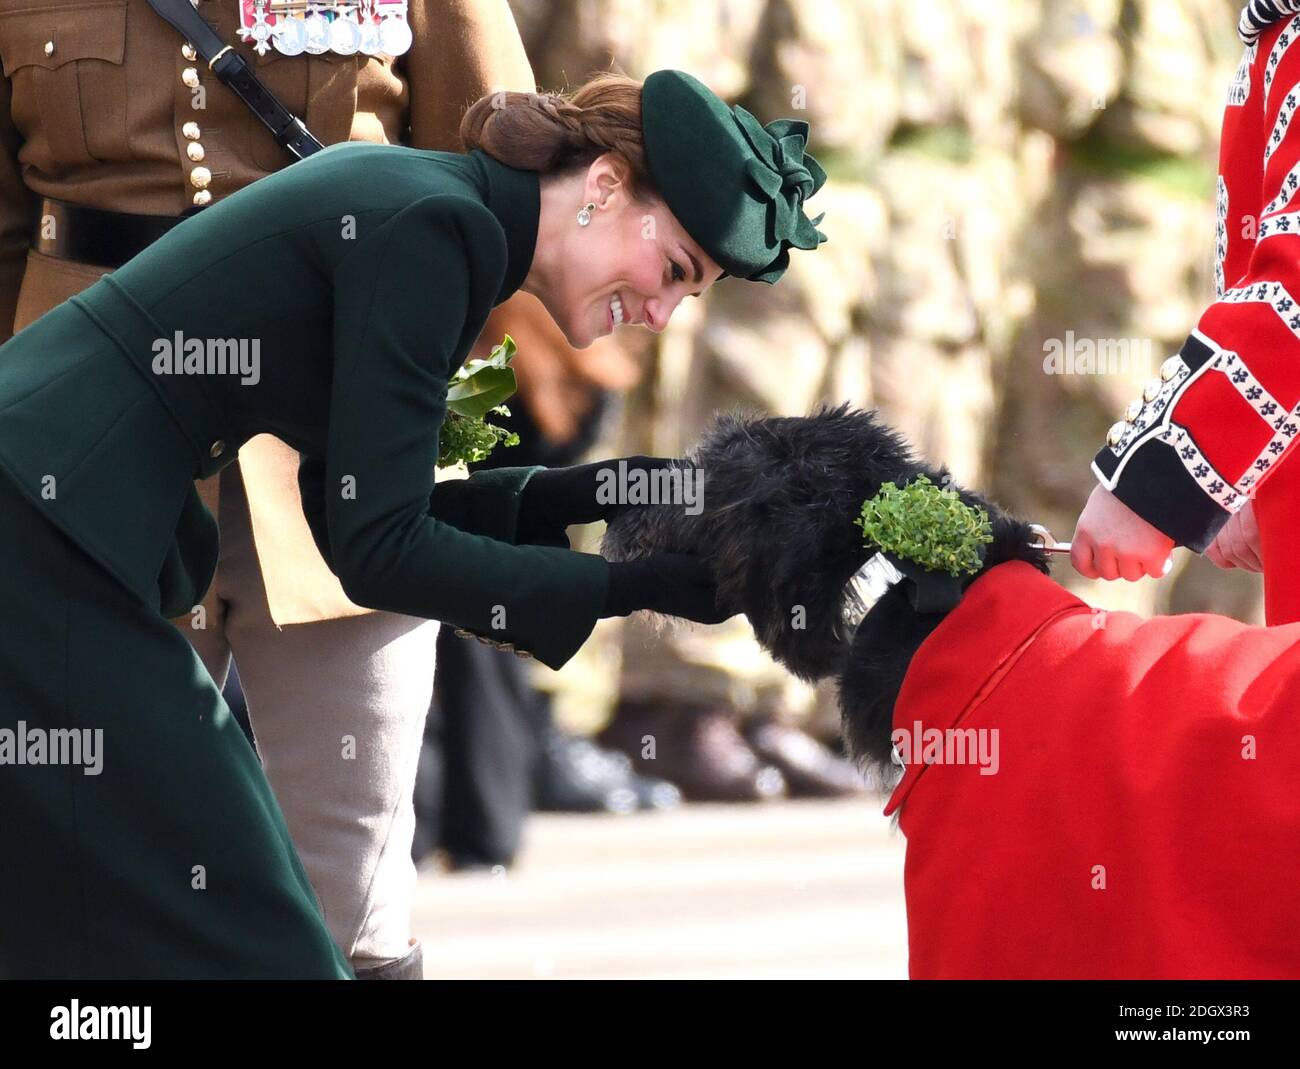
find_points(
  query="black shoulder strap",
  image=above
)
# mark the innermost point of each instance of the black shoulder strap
(288, 130)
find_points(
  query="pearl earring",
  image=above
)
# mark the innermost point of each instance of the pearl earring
(584, 214)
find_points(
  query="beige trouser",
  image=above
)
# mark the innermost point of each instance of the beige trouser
(338, 709)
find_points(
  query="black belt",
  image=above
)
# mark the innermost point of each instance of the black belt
(94, 236)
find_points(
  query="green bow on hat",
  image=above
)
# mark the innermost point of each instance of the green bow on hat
(786, 174)
(737, 186)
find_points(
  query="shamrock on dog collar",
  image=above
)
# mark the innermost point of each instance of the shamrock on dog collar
(923, 533)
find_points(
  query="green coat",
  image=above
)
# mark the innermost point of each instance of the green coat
(364, 275)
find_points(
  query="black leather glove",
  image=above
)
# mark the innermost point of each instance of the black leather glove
(554, 498)
(676, 584)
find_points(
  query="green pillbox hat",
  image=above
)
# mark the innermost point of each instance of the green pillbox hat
(736, 185)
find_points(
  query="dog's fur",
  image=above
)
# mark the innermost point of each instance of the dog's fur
(780, 497)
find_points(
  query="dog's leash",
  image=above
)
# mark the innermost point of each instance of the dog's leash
(1042, 538)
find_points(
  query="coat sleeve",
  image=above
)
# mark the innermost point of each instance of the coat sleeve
(1222, 414)
(404, 300)
(487, 503)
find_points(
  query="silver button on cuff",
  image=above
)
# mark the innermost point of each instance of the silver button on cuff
(218, 447)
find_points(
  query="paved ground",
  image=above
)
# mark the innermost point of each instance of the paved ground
(794, 889)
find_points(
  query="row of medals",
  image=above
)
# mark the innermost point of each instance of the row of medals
(347, 27)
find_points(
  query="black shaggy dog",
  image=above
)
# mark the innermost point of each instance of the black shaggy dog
(1092, 846)
(780, 497)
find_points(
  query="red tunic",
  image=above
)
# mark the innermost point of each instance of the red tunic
(1215, 424)
(1144, 812)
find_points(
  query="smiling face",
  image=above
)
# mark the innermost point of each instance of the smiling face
(631, 265)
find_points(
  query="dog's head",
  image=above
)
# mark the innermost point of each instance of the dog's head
(776, 523)
(780, 495)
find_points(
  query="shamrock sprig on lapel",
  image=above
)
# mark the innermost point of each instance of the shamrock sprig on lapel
(477, 389)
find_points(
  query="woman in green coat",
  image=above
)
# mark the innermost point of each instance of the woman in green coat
(328, 304)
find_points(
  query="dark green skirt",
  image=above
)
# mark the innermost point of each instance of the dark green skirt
(138, 835)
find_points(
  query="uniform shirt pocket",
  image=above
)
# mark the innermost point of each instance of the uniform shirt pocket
(65, 65)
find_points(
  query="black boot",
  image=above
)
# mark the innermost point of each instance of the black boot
(577, 776)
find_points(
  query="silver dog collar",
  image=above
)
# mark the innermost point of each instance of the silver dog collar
(865, 587)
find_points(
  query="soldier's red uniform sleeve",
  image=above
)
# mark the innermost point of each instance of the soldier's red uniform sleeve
(1224, 412)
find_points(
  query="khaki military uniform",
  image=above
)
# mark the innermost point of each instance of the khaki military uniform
(104, 105)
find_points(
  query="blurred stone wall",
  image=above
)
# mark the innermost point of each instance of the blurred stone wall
(1006, 177)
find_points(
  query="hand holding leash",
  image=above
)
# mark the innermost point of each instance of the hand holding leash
(1112, 541)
